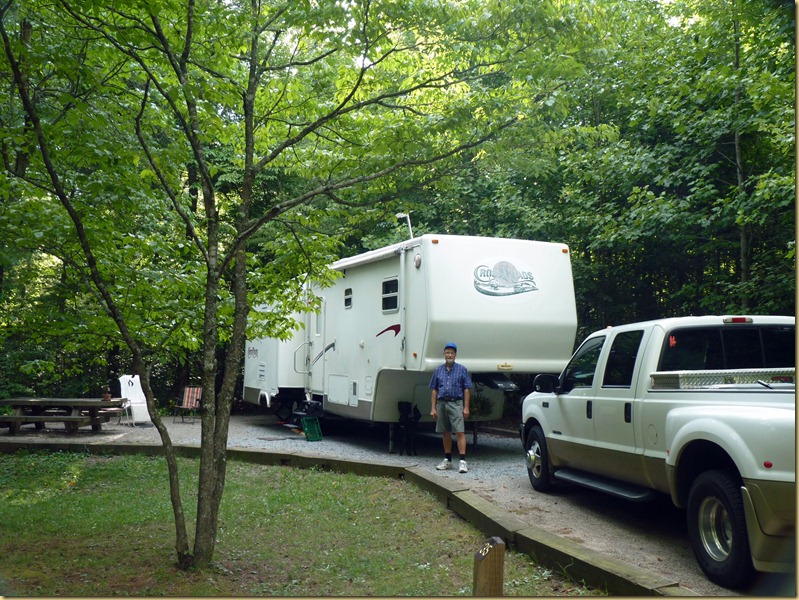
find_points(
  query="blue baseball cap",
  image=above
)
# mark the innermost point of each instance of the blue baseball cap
(451, 345)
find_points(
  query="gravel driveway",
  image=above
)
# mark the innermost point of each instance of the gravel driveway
(650, 536)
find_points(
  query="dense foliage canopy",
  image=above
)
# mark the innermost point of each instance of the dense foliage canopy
(168, 165)
(657, 139)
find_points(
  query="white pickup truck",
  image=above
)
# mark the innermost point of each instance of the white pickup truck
(700, 408)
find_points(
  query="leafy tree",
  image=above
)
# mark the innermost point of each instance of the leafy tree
(165, 141)
(721, 112)
(666, 163)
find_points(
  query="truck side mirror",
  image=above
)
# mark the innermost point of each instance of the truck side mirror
(546, 383)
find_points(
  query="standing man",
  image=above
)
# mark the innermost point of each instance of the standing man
(451, 387)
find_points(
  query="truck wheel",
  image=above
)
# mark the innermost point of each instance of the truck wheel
(717, 529)
(537, 459)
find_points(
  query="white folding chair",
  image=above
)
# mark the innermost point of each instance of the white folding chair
(136, 404)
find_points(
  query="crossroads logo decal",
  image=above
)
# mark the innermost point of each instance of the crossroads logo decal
(503, 279)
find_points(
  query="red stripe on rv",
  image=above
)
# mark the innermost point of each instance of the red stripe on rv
(394, 328)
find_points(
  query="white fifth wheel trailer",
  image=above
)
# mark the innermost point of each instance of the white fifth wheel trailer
(508, 304)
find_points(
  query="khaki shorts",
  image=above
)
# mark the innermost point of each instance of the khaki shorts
(450, 416)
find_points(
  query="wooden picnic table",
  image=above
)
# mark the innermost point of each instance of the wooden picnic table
(73, 412)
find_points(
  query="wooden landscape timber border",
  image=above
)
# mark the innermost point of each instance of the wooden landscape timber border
(559, 554)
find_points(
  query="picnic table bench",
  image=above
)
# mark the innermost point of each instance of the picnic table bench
(72, 412)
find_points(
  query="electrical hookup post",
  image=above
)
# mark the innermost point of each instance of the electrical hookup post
(489, 568)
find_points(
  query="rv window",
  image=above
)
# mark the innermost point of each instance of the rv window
(348, 298)
(390, 295)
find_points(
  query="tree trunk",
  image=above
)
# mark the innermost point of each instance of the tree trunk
(184, 556)
(140, 367)
(212, 456)
(744, 235)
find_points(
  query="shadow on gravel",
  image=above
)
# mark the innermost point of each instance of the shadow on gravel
(376, 437)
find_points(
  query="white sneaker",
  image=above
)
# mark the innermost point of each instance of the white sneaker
(444, 465)
(463, 468)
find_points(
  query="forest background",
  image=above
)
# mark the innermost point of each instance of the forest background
(169, 165)
(655, 138)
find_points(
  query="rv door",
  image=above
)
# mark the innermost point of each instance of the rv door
(315, 327)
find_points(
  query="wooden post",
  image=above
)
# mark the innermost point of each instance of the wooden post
(489, 567)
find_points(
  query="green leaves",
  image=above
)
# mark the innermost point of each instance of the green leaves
(290, 126)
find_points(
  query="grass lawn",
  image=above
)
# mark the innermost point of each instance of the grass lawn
(84, 525)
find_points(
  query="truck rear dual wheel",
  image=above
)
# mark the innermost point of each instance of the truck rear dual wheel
(717, 529)
(537, 459)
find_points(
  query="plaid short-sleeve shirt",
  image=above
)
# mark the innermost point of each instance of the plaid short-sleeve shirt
(451, 383)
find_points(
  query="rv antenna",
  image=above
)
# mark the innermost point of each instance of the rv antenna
(407, 217)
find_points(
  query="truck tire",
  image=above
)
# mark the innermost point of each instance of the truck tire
(537, 459)
(717, 529)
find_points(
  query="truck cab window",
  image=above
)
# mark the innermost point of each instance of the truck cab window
(579, 373)
(692, 349)
(742, 349)
(779, 347)
(621, 362)
(712, 348)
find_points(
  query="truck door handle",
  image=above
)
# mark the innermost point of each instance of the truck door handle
(628, 412)
(589, 409)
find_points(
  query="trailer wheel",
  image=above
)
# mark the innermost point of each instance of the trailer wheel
(537, 459)
(297, 413)
(717, 529)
